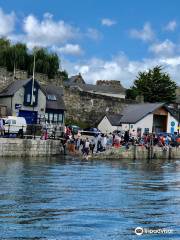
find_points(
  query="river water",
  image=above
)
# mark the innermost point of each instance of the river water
(65, 198)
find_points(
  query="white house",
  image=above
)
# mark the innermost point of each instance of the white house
(110, 123)
(146, 117)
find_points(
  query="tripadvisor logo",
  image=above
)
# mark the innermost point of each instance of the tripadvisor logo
(139, 231)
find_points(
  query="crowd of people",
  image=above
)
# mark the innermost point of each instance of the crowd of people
(102, 142)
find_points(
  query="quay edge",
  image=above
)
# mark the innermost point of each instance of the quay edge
(10, 147)
(139, 152)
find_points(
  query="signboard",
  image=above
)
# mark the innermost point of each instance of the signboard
(18, 106)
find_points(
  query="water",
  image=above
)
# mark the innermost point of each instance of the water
(90, 200)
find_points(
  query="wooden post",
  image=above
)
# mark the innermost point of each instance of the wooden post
(134, 154)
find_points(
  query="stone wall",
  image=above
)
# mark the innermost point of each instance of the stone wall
(7, 77)
(110, 83)
(29, 147)
(139, 153)
(83, 107)
(90, 108)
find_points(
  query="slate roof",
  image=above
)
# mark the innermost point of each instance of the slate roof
(13, 88)
(58, 92)
(114, 119)
(76, 78)
(93, 88)
(135, 112)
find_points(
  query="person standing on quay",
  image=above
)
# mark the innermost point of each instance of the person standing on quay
(126, 139)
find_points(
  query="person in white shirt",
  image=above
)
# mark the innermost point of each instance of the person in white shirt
(104, 142)
(86, 147)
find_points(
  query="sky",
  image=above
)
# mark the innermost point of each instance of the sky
(105, 39)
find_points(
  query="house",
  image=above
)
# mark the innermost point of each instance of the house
(47, 101)
(55, 106)
(112, 88)
(17, 97)
(145, 117)
(110, 123)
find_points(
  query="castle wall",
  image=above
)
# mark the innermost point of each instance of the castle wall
(89, 107)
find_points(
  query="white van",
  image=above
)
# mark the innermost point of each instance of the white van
(16, 125)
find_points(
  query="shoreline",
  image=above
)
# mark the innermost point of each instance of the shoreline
(10, 147)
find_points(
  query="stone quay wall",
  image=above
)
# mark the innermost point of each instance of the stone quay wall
(140, 152)
(10, 147)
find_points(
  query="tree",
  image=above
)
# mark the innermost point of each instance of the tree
(17, 56)
(4, 46)
(63, 74)
(47, 63)
(155, 86)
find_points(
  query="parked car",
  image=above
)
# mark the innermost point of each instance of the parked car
(74, 128)
(91, 131)
(15, 125)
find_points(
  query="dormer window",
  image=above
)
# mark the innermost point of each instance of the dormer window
(51, 97)
(28, 100)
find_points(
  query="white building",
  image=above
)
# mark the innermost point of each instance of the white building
(146, 117)
(110, 123)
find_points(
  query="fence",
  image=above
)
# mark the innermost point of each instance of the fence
(33, 131)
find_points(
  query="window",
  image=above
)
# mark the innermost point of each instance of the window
(60, 117)
(28, 99)
(55, 117)
(50, 117)
(14, 122)
(8, 122)
(51, 97)
(46, 116)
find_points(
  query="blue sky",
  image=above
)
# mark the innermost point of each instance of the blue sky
(109, 39)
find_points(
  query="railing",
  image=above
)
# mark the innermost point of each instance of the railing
(33, 131)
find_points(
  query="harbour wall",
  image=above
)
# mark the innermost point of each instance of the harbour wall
(140, 152)
(29, 147)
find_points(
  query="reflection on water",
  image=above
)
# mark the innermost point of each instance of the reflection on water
(70, 199)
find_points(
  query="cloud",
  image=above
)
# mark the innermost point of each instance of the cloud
(108, 22)
(165, 48)
(69, 49)
(146, 34)
(47, 32)
(121, 68)
(171, 26)
(7, 23)
(94, 34)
